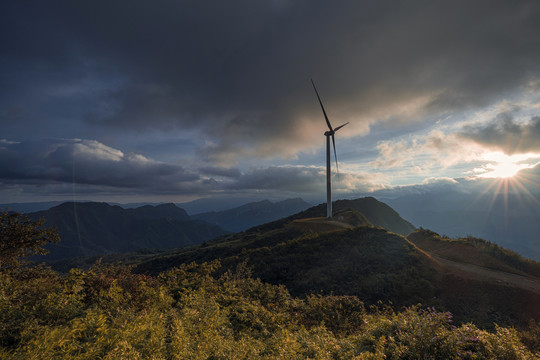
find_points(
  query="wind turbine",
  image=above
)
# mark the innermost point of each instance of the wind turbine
(328, 134)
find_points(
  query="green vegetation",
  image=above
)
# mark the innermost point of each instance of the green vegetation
(364, 261)
(188, 312)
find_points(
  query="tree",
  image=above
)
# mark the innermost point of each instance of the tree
(21, 237)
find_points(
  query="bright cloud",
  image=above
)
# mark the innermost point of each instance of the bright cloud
(501, 165)
(424, 154)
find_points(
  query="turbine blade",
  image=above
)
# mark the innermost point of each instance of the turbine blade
(335, 155)
(322, 107)
(339, 127)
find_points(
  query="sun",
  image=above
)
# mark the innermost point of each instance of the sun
(502, 170)
(502, 166)
(506, 180)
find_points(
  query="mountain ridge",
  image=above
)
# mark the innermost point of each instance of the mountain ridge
(91, 229)
(243, 217)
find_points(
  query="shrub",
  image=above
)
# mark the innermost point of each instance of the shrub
(191, 313)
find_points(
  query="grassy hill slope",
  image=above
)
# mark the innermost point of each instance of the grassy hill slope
(475, 251)
(371, 263)
(482, 281)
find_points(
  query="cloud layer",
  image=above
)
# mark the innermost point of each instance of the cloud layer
(85, 162)
(238, 72)
(194, 98)
(93, 166)
(507, 135)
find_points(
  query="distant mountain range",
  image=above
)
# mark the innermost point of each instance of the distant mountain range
(94, 229)
(509, 220)
(90, 229)
(243, 217)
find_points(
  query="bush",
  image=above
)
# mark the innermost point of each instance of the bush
(190, 312)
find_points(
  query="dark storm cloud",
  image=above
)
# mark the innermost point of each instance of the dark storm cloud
(507, 135)
(238, 71)
(86, 162)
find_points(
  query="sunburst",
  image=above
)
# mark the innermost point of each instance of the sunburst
(504, 166)
(507, 178)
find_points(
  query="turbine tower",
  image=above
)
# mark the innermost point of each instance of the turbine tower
(330, 133)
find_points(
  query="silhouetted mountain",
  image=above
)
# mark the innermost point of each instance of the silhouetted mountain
(162, 211)
(318, 255)
(216, 203)
(243, 217)
(89, 229)
(508, 220)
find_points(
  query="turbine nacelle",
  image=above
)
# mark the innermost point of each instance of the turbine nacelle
(332, 132)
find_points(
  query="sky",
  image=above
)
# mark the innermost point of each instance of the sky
(173, 100)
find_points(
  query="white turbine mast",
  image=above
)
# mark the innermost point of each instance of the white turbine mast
(330, 133)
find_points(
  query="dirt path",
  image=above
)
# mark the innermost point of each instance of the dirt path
(481, 273)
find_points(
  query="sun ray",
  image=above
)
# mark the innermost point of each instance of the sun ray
(516, 187)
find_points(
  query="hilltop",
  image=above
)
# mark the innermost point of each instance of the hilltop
(369, 211)
(375, 212)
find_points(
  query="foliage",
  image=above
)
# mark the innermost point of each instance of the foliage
(531, 336)
(190, 312)
(21, 237)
